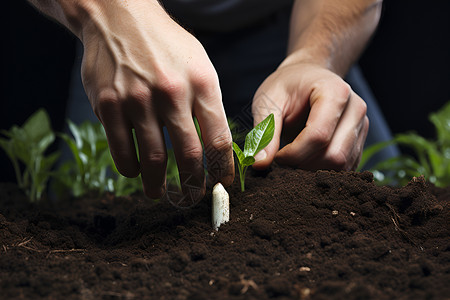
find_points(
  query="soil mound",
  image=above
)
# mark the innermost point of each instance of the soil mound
(292, 235)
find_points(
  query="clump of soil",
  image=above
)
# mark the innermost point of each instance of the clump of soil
(292, 235)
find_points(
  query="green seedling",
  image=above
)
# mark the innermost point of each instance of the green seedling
(87, 172)
(92, 169)
(431, 157)
(256, 140)
(26, 147)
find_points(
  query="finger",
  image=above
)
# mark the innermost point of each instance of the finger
(262, 106)
(345, 146)
(188, 153)
(150, 138)
(361, 142)
(119, 135)
(327, 107)
(153, 156)
(216, 138)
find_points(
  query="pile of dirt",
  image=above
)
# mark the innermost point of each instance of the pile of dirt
(292, 235)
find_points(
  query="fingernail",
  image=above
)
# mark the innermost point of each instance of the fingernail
(261, 155)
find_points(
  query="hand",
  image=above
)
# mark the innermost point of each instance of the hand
(141, 70)
(323, 121)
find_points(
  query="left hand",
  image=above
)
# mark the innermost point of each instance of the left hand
(322, 120)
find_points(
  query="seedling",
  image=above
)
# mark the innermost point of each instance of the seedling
(92, 168)
(256, 140)
(26, 147)
(431, 159)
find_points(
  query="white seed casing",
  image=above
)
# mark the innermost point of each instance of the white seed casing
(220, 206)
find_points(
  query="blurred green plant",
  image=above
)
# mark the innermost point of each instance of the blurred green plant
(26, 147)
(431, 157)
(92, 169)
(87, 172)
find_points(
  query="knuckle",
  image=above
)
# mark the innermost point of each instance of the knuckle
(345, 89)
(155, 159)
(343, 92)
(205, 81)
(338, 90)
(193, 154)
(362, 107)
(320, 137)
(140, 94)
(105, 101)
(221, 143)
(338, 160)
(172, 87)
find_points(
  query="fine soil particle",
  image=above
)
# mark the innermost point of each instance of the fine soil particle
(292, 235)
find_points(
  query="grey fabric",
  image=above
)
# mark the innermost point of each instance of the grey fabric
(222, 15)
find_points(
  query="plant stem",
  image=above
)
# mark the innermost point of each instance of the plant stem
(17, 171)
(242, 177)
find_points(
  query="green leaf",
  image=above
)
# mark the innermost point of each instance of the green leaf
(76, 134)
(260, 136)
(422, 147)
(239, 153)
(37, 125)
(370, 151)
(73, 148)
(45, 142)
(248, 161)
(441, 120)
(172, 174)
(199, 131)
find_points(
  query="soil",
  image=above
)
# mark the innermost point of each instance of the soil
(292, 235)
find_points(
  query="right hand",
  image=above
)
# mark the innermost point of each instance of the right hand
(142, 70)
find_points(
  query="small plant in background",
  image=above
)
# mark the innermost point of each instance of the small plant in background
(92, 169)
(87, 172)
(256, 140)
(26, 147)
(172, 175)
(121, 185)
(431, 159)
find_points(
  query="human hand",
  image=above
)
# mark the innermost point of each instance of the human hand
(141, 70)
(322, 120)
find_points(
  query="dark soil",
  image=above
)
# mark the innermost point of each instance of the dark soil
(292, 235)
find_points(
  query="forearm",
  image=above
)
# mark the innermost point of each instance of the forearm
(80, 16)
(331, 33)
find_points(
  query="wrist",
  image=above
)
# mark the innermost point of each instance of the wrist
(304, 56)
(84, 17)
(75, 14)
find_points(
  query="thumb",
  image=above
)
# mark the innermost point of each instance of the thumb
(262, 107)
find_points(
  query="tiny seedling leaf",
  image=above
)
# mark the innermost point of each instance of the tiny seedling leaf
(239, 153)
(260, 136)
(256, 140)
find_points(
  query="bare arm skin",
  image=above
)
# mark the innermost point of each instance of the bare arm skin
(322, 119)
(142, 70)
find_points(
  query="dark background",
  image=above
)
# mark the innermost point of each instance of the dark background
(407, 64)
